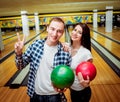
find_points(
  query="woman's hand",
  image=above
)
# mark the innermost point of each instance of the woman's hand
(84, 83)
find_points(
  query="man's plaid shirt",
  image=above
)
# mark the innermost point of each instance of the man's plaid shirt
(33, 55)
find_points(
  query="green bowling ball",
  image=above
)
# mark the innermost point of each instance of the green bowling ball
(62, 76)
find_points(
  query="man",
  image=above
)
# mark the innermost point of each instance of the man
(43, 56)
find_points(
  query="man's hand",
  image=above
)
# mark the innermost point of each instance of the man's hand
(58, 89)
(19, 45)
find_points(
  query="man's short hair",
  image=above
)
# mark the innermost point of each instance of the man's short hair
(58, 19)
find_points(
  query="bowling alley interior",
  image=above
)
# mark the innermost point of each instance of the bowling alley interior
(31, 17)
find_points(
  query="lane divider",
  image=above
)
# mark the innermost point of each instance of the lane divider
(112, 60)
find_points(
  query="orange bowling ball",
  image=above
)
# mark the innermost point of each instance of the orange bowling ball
(87, 69)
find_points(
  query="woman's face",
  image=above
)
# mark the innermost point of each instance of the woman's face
(76, 34)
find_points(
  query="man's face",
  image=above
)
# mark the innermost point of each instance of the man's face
(55, 31)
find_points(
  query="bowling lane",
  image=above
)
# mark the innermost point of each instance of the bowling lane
(6, 35)
(8, 38)
(113, 35)
(9, 46)
(110, 45)
(105, 74)
(9, 43)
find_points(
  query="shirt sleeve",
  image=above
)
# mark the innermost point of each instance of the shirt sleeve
(19, 61)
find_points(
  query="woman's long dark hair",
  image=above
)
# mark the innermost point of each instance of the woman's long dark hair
(85, 40)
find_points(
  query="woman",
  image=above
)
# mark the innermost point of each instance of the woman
(80, 50)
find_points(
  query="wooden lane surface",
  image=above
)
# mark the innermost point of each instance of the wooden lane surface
(8, 38)
(114, 34)
(110, 45)
(9, 43)
(106, 85)
(105, 74)
(13, 95)
(8, 34)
